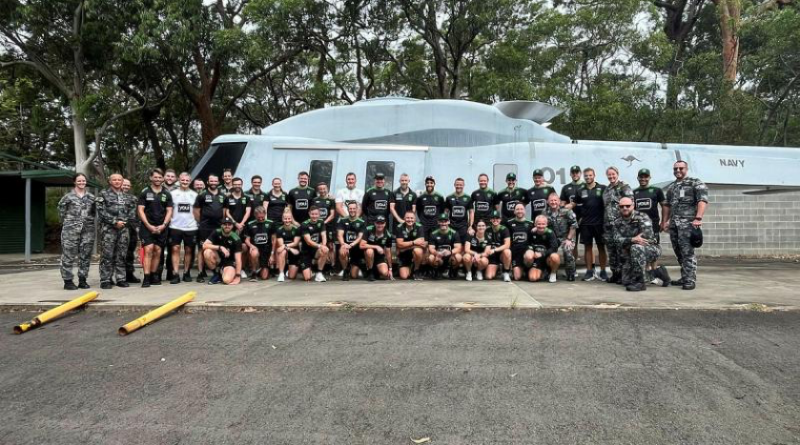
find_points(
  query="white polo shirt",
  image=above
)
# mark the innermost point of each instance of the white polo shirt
(347, 195)
(182, 216)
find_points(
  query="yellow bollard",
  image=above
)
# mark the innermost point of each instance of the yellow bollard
(155, 314)
(55, 312)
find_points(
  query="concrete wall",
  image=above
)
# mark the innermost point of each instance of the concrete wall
(737, 224)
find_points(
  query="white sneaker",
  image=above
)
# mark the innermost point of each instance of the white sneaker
(360, 275)
(320, 278)
(243, 274)
(280, 277)
(552, 278)
(469, 276)
(340, 274)
(506, 277)
(479, 275)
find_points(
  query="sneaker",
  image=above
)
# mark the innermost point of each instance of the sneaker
(320, 278)
(254, 276)
(469, 276)
(506, 277)
(216, 279)
(155, 280)
(479, 275)
(187, 277)
(201, 277)
(280, 277)
(176, 279)
(603, 276)
(552, 278)
(590, 275)
(243, 274)
(664, 275)
(341, 274)
(146, 281)
(417, 275)
(106, 285)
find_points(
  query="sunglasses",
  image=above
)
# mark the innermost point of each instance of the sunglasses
(622, 206)
(678, 168)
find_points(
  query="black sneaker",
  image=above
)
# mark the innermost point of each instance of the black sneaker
(216, 279)
(346, 276)
(253, 276)
(589, 275)
(122, 283)
(106, 285)
(636, 287)
(371, 275)
(570, 276)
(663, 275)
(677, 282)
(155, 280)
(146, 281)
(82, 284)
(187, 277)
(176, 279)
(131, 278)
(201, 277)
(688, 286)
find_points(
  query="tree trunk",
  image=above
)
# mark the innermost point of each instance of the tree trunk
(673, 89)
(729, 21)
(81, 150)
(209, 128)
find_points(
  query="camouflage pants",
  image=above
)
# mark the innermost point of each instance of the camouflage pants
(635, 260)
(112, 259)
(568, 259)
(679, 234)
(77, 243)
(130, 255)
(613, 249)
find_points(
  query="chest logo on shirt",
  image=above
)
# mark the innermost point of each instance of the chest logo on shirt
(482, 206)
(538, 205)
(510, 205)
(520, 237)
(232, 202)
(323, 212)
(184, 208)
(301, 204)
(261, 238)
(643, 204)
(429, 211)
(163, 198)
(459, 211)
(149, 197)
(381, 204)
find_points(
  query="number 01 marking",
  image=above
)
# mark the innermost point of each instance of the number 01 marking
(550, 175)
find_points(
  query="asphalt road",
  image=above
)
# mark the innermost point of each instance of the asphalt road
(390, 376)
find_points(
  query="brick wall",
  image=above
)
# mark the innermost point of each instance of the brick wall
(736, 224)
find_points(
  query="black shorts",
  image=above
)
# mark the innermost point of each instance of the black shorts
(307, 257)
(406, 258)
(187, 237)
(540, 263)
(590, 233)
(292, 259)
(264, 252)
(518, 258)
(203, 233)
(495, 258)
(356, 256)
(148, 237)
(379, 258)
(462, 233)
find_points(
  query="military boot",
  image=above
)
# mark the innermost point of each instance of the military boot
(663, 275)
(131, 278)
(637, 286)
(70, 285)
(82, 284)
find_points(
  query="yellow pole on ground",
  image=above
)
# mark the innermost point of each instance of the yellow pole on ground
(55, 312)
(155, 314)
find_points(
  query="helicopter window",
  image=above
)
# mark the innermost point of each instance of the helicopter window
(219, 157)
(385, 167)
(320, 171)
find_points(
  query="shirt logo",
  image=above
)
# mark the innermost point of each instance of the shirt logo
(149, 197)
(538, 205)
(184, 208)
(443, 247)
(381, 204)
(350, 236)
(314, 237)
(429, 211)
(510, 205)
(643, 204)
(459, 211)
(301, 204)
(520, 237)
(584, 193)
(261, 238)
(323, 212)
(482, 206)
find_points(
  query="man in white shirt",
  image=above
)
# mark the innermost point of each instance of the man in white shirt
(183, 228)
(347, 195)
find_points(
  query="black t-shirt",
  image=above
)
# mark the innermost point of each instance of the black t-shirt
(260, 233)
(314, 230)
(326, 207)
(276, 206)
(538, 199)
(647, 200)
(479, 246)
(257, 199)
(458, 207)
(520, 233)
(300, 200)
(372, 238)
(444, 241)
(155, 205)
(350, 228)
(238, 206)
(376, 203)
(429, 206)
(412, 233)
(508, 199)
(568, 193)
(545, 243)
(498, 237)
(287, 234)
(404, 203)
(211, 207)
(231, 242)
(483, 202)
(592, 206)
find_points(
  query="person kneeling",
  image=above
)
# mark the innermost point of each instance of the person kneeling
(377, 247)
(444, 249)
(222, 252)
(543, 256)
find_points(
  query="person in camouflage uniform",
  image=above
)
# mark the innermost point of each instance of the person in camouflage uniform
(687, 199)
(563, 222)
(615, 191)
(116, 209)
(635, 235)
(77, 212)
(133, 239)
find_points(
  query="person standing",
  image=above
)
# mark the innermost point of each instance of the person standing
(687, 199)
(227, 181)
(456, 205)
(155, 212)
(647, 199)
(170, 180)
(430, 205)
(405, 200)
(590, 201)
(133, 238)
(327, 213)
(276, 201)
(482, 203)
(198, 185)
(77, 211)
(349, 194)
(116, 210)
(208, 209)
(182, 229)
(538, 194)
(377, 200)
(510, 197)
(256, 194)
(299, 199)
(567, 197)
(615, 191)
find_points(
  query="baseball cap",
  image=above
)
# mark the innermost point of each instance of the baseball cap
(538, 172)
(575, 169)
(511, 177)
(696, 237)
(380, 219)
(227, 220)
(380, 176)
(495, 214)
(430, 178)
(644, 172)
(444, 217)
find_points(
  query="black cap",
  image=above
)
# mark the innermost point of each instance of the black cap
(380, 176)
(430, 178)
(696, 237)
(380, 219)
(644, 172)
(444, 217)
(511, 176)
(538, 172)
(495, 214)
(227, 220)
(575, 169)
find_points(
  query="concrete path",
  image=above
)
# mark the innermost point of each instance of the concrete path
(759, 286)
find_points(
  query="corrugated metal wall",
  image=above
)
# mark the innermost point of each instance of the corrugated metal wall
(12, 216)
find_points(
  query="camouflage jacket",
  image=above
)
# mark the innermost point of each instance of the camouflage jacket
(683, 196)
(611, 196)
(560, 221)
(76, 211)
(116, 206)
(638, 224)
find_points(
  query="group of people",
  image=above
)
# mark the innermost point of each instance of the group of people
(383, 234)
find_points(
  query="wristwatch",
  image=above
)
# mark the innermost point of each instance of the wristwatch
(697, 218)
